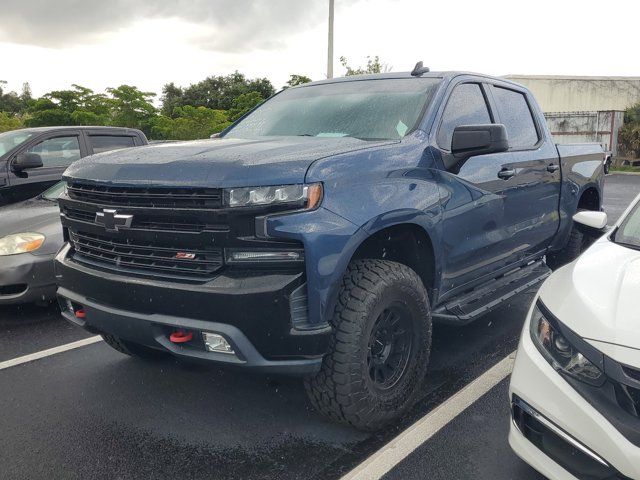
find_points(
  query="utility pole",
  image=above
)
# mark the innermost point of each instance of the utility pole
(330, 49)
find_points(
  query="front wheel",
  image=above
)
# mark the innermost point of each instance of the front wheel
(379, 351)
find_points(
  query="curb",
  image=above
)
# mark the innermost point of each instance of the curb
(624, 173)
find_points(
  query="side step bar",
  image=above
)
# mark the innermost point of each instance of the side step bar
(475, 303)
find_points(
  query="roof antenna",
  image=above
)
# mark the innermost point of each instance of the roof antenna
(419, 69)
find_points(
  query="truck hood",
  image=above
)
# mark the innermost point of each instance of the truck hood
(597, 295)
(215, 163)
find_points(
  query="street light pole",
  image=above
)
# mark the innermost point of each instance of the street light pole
(330, 47)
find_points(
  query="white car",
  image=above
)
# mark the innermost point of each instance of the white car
(575, 388)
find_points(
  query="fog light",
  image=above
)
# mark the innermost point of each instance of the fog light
(216, 343)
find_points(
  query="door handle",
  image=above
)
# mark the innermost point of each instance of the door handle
(506, 174)
(553, 168)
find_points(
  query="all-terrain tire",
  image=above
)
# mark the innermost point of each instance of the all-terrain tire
(132, 349)
(576, 244)
(344, 389)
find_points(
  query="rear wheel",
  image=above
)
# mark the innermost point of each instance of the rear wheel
(131, 348)
(380, 348)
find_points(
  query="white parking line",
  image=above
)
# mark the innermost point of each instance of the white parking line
(47, 353)
(404, 444)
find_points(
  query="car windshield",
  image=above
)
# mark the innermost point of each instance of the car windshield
(54, 192)
(10, 140)
(628, 233)
(382, 109)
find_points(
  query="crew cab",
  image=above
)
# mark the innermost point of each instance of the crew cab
(325, 232)
(33, 159)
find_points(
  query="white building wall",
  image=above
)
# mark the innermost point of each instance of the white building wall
(581, 94)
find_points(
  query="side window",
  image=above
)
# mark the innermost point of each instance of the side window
(58, 151)
(103, 143)
(466, 106)
(516, 115)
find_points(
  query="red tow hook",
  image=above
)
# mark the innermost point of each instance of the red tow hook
(80, 313)
(181, 336)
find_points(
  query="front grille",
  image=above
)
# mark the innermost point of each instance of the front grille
(143, 221)
(144, 258)
(158, 197)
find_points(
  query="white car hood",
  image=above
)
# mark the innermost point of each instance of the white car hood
(598, 295)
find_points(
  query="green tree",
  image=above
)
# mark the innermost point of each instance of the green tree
(629, 133)
(77, 106)
(189, 123)
(243, 103)
(172, 97)
(9, 122)
(217, 93)
(373, 66)
(295, 80)
(131, 107)
(9, 101)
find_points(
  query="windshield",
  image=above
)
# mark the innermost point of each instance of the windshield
(367, 109)
(54, 192)
(628, 233)
(10, 140)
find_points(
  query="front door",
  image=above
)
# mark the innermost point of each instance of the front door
(475, 226)
(57, 153)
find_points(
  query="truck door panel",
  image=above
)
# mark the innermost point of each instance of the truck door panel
(475, 228)
(531, 206)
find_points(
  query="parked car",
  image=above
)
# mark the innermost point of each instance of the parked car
(324, 232)
(30, 237)
(575, 388)
(33, 159)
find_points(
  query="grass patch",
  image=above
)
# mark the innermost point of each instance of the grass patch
(625, 168)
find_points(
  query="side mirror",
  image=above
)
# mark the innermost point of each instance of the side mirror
(597, 220)
(27, 160)
(215, 135)
(472, 140)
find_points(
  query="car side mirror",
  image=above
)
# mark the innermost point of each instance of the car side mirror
(471, 140)
(597, 220)
(27, 160)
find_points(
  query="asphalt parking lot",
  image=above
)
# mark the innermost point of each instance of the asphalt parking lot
(91, 412)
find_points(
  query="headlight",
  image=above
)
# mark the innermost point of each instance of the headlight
(305, 197)
(560, 352)
(20, 243)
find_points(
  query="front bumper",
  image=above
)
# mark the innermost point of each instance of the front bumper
(26, 278)
(252, 310)
(536, 384)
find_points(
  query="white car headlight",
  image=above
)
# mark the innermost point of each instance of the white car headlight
(562, 353)
(20, 243)
(305, 197)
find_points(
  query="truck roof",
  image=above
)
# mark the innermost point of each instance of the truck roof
(88, 127)
(445, 75)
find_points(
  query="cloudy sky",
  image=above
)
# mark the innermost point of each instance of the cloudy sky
(101, 43)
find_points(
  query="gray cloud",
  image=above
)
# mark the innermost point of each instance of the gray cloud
(236, 25)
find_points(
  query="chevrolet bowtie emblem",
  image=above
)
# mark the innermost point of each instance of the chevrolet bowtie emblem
(112, 220)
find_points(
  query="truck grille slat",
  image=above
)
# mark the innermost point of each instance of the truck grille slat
(144, 258)
(159, 197)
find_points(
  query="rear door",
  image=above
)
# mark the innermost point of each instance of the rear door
(58, 150)
(531, 205)
(99, 142)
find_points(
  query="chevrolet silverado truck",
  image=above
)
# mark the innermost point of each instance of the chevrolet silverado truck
(325, 232)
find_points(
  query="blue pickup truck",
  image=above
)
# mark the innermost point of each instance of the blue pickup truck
(324, 233)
